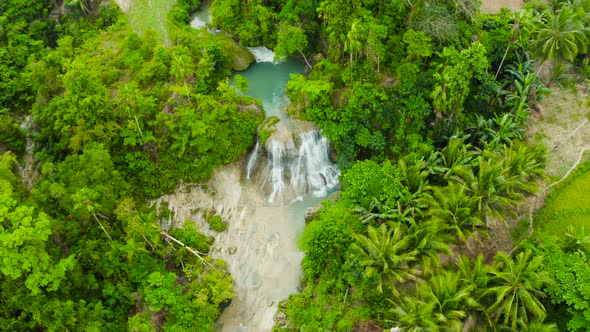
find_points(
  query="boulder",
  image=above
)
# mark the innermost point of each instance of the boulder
(240, 57)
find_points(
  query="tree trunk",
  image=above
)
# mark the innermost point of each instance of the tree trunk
(101, 226)
(377, 64)
(304, 58)
(139, 128)
(503, 58)
(192, 251)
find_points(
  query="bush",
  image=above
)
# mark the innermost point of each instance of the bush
(216, 223)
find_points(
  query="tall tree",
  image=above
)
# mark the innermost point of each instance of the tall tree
(451, 298)
(518, 288)
(353, 43)
(560, 36)
(291, 39)
(457, 211)
(384, 255)
(24, 241)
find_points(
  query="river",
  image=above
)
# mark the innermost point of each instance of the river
(263, 198)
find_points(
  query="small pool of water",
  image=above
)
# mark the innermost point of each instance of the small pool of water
(267, 81)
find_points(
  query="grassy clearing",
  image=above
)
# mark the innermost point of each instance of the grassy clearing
(151, 14)
(568, 205)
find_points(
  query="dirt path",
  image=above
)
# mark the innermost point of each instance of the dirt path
(494, 6)
(124, 4)
(563, 128)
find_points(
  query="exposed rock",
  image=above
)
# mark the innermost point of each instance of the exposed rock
(253, 107)
(124, 4)
(232, 250)
(494, 6)
(240, 57)
(317, 58)
(282, 321)
(367, 326)
(28, 171)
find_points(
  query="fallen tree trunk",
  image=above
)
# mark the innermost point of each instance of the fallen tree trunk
(192, 251)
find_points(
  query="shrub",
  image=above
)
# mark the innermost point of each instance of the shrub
(216, 223)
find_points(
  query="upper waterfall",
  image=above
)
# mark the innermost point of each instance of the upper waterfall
(262, 54)
(202, 18)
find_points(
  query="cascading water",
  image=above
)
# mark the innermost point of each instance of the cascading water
(292, 171)
(314, 171)
(263, 202)
(252, 160)
(275, 162)
(262, 54)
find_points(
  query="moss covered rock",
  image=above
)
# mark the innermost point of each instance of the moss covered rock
(241, 58)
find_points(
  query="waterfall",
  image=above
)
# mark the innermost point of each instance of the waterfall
(252, 160)
(314, 171)
(295, 167)
(275, 165)
(197, 23)
(262, 54)
(202, 18)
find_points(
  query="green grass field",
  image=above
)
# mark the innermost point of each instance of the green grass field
(568, 205)
(146, 14)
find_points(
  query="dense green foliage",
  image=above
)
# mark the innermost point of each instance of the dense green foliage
(426, 103)
(446, 92)
(561, 236)
(113, 120)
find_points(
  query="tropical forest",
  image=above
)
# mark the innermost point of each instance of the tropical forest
(294, 165)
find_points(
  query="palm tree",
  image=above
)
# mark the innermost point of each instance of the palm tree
(518, 288)
(428, 244)
(457, 211)
(576, 241)
(382, 212)
(353, 44)
(523, 163)
(182, 67)
(132, 249)
(136, 103)
(492, 187)
(414, 176)
(455, 160)
(385, 254)
(561, 36)
(476, 274)
(522, 18)
(534, 326)
(415, 315)
(85, 201)
(537, 326)
(451, 298)
(85, 5)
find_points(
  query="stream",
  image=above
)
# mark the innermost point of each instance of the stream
(263, 198)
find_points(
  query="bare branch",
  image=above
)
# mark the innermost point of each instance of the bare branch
(192, 251)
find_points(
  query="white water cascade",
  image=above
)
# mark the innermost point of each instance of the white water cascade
(262, 54)
(294, 167)
(252, 160)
